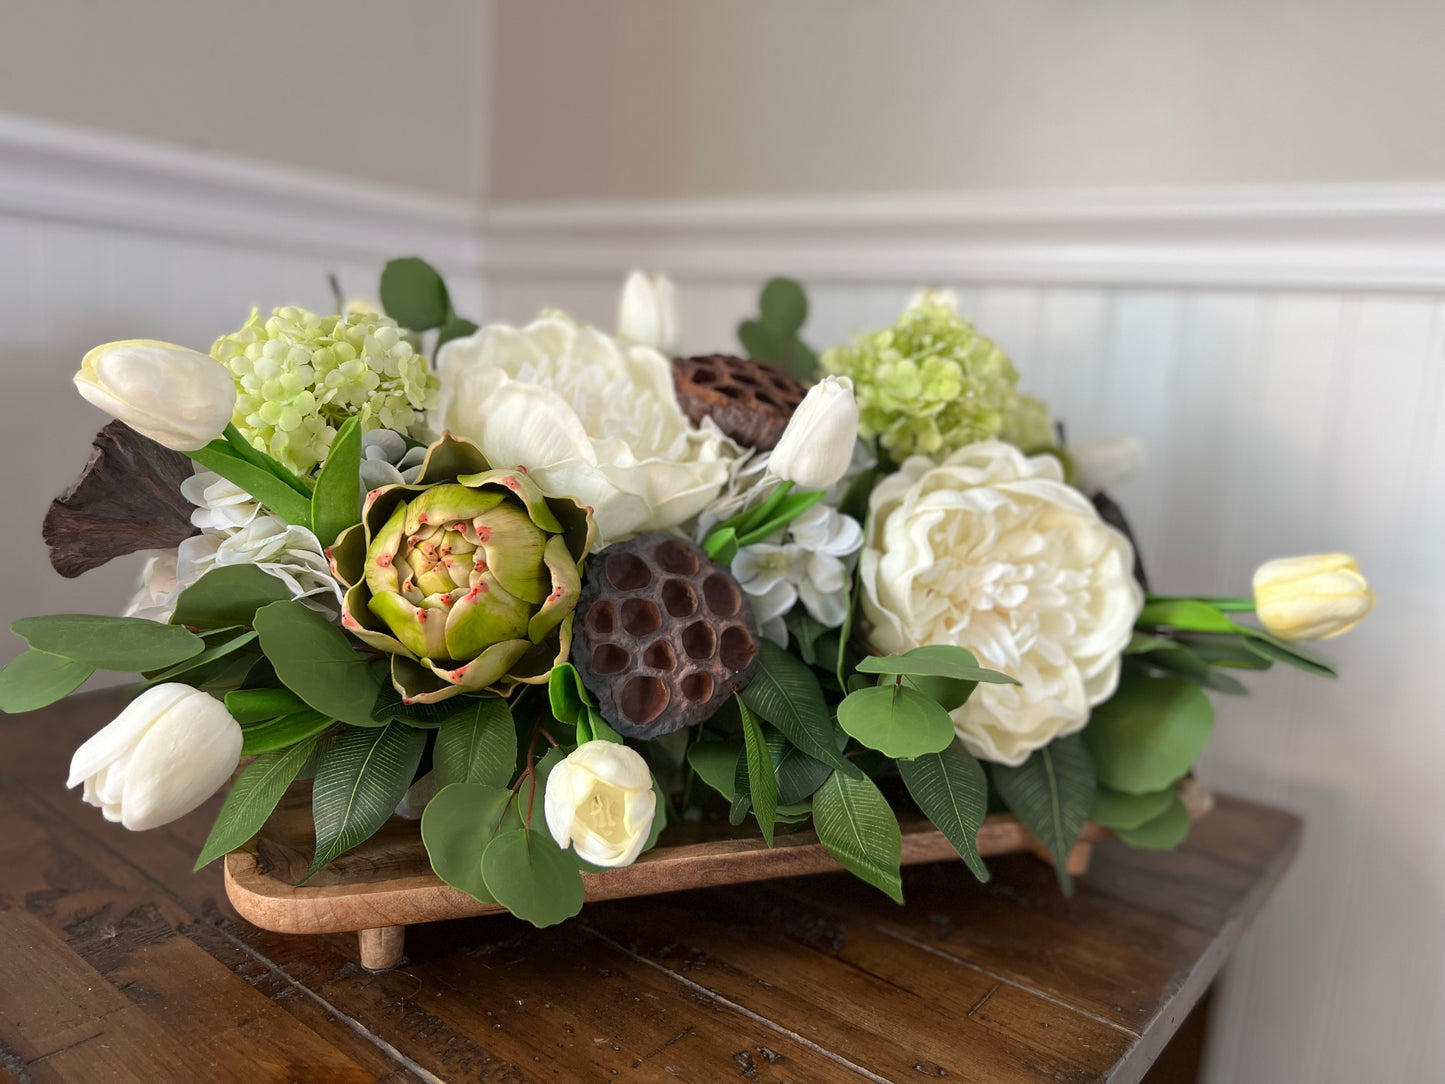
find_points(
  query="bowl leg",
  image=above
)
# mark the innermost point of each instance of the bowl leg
(381, 948)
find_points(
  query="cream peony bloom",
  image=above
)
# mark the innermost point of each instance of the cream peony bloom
(993, 552)
(587, 418)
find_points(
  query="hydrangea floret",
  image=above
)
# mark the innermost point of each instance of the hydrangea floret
(930, 384)
(299, 376)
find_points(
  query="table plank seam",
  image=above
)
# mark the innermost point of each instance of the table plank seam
(741, 1010)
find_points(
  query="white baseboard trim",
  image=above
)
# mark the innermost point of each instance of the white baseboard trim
(1338, 237)
(57, 172)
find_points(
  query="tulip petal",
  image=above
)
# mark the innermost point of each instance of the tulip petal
(116, 738)
(185, 756)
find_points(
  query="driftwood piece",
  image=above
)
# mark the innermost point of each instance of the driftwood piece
(127, 498)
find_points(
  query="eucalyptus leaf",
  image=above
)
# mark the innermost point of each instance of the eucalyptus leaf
(528, 874)
(1162, 833)
(762, 777)
(896, 720)
(1119, 811)
(783, 305)
(361, 776)
(252, 797)
(1051, 793)
(315, 660)
(34, 679)
(1148, 733)
(477, 745)
(283, 732)
(785, 692)
(219, 650)
(336, 501)
(952, 790)
(456, 827)
(413, 294)
(227, 596)
(455, 328)
(854, 823)
(110, 643)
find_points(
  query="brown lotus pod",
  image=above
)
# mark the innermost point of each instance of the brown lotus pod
(663, 636)
(749, 401)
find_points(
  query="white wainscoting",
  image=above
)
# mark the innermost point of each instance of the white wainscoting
(1280, 353)
(103, 239)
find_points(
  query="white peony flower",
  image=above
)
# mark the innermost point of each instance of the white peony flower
(600, 802)
(991, 551)
(587, 418)
(810, 560)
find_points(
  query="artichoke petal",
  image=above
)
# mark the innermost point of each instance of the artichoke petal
(526, 490)
(450, 458)
(446, 504)
(514, 548)
(382, 575)
(566, 585)
(358, 619)
(483, 616)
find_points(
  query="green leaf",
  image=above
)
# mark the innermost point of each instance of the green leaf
(1162, 833)
(271, 491)
(244, 449)
(1271, 647)
(715, 763)
(1051, 793)
(283, 732)
(388, 704)
(935, 660)
(336, 503)
(1225, 650)
(896, 720)
(477, 745)
(1141, 643)
(455, 328)
(316, 661)
(227, 596)
(762, 777)
(799, 775)
(783, 305)
(413, 294)
(253, 796)
(37, 678)
(110, 643)
(721, 545)
(952, 790)
(1148, 733)
(600, 730)
(1185, 613)
(528, 874)
(361, 776)
(456, 827)
(219, 650)
(1117, 810)
(854, 823)
(258, 705)
(762, 342)
(788, 510)
(566, 694)
(785, 692)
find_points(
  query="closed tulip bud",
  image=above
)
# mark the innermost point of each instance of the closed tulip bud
(166, 753)
(647, 315)
(600, 802)
(1103, 462)
(178, 397)
(817, 446)
(1311, 598)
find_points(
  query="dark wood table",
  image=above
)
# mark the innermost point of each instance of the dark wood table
(117, 963)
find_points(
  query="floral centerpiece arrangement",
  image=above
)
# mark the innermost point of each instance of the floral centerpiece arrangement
(560, 588)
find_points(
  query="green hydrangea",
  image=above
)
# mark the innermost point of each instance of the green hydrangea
(1027, 425)
(299, 376)
(928, 385)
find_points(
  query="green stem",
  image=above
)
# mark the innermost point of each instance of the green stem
(1223, 605)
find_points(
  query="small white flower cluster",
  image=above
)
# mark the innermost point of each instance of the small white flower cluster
(235, 531)
(809, 560)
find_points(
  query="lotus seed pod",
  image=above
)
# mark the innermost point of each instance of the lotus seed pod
(749, 402)
(663, 635)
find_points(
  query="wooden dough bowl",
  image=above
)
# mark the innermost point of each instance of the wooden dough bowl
(387, 884)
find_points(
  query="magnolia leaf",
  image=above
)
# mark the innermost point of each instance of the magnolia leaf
(1181, 660)
(854, 823)
(935, 660)
(762, 777)
(1162, 833)
(227, 596)
(361, 776)
(336, 502)
(477, 745)
(715, 763)
(110, 643)
(456, 827)
(1051, 793)
(952, 790)
(413, 294)
(799, 775)
(37, 678)
(1268, 646)
(315, 660)
(1148, 733)
(389, 705)
(1119, 811)
(275, 494)
(528, 874)
(283, 732)
(253, 796)
(785, 692)
(896, 720)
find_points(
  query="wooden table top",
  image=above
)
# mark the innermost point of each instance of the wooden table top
(116, 962)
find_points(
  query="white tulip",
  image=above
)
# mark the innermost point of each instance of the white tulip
(178, 397)
(600, 802)
(647, 313)
(1103, 462)
(1311, 598)
(166, 753)
(817, 446)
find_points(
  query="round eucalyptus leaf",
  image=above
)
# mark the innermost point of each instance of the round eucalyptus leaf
(1120, 811)
(456, 828)
(1148, 733)
(1164, 832)
(528, 874)
(896, 720)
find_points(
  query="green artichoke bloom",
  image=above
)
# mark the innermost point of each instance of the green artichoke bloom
(928, 385)
(467, 578)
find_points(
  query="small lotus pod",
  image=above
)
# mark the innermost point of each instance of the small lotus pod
(749, 402)
(663, 635)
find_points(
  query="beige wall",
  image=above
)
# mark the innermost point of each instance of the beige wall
(650, 98)
(373, 89)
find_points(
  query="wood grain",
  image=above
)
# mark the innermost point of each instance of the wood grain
(122, 964)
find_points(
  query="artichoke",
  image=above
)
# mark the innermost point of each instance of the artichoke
(468, 578)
